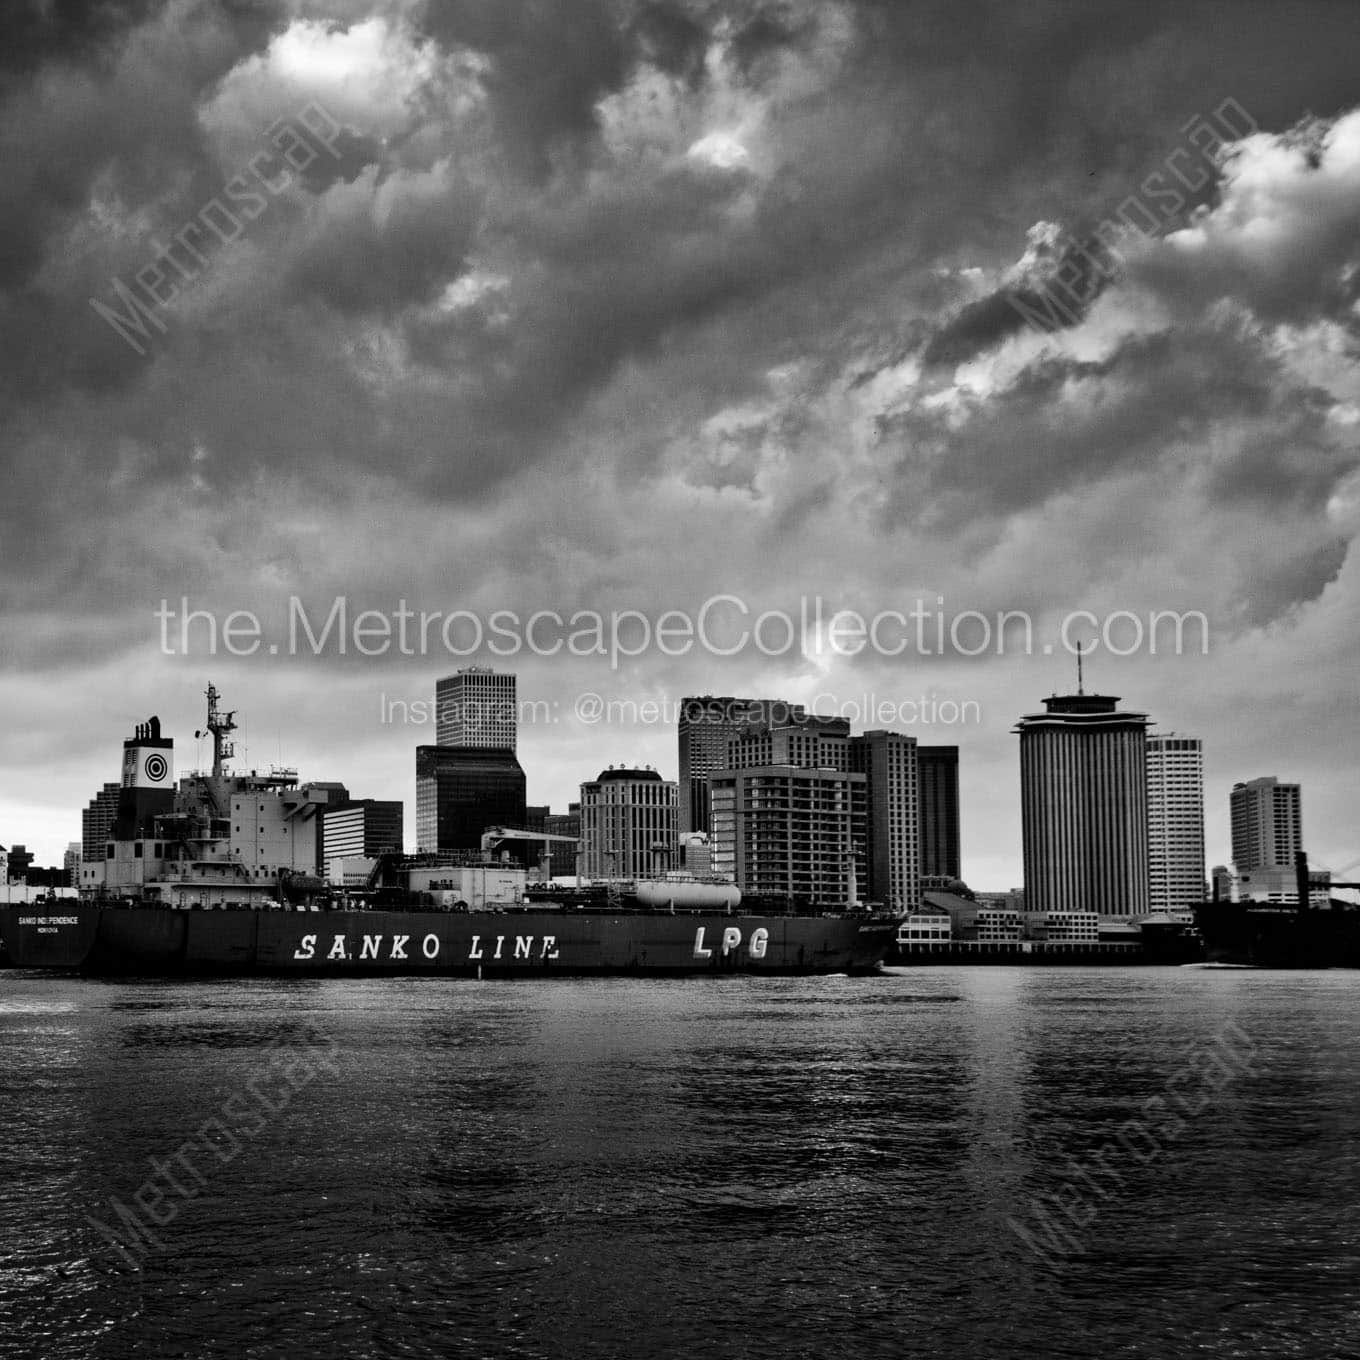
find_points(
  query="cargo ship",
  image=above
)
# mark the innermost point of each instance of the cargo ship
(221, 875)
(1315, 930)
(544, 938)
(1280, 934)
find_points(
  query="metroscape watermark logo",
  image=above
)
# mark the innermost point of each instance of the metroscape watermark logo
(1086, 263)
(135, 1227)
(1053, 1230)
(294, 143)
(724, 625)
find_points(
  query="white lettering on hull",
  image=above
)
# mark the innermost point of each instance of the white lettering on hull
(370, 948)
(731, 942)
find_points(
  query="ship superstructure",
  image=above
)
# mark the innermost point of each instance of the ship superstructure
(216, 838)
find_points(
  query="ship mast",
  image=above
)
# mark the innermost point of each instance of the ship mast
(220, 725)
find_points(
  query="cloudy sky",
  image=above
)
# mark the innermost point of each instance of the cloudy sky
(625, 305)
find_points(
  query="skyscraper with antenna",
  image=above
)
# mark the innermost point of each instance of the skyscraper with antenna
(1084, 804)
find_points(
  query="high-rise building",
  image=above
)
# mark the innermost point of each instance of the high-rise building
(811, 743)
(789, 833)
(71, 863)
(1267, 824)
(362, 826)
(96, 822)
(628, 821)
(889, 763)
(937, 811)
(706, 728)
(476, 706)
(1083, 804)
(462, 790)
(1175, 793)
(19, 863)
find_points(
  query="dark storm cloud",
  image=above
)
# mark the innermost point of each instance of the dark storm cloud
(75, 31)
(1062, 424)
(550, 65)
(934, 138)
(364, 267)
(673, 38)
(1054, 297)
(104, 89)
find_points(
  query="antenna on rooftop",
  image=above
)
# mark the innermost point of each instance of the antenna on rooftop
(1079, 678)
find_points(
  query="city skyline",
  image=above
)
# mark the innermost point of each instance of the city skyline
(103, 806)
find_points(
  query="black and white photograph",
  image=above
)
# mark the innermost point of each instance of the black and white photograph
(679, 679)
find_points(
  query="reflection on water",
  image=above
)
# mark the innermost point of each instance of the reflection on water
(716, 1167)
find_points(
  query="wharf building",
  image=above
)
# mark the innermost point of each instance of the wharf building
(792, 834)
(707, 726)
(477, 706)
(1083, 804)
(937, 811)
(628, 824)
(1175, 791)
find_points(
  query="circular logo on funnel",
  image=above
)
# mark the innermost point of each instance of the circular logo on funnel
(155, 768)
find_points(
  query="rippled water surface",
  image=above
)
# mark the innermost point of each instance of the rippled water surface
(707, 1168)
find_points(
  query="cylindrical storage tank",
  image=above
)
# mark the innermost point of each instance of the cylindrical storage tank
(709, 896)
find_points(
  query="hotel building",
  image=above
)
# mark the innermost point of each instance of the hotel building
(1083, 804)
(1175, 792)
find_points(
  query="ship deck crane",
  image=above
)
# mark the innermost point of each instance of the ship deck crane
(494, 835)
(1305, 881)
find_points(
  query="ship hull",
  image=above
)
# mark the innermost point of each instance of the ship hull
(1271, 936)
(157, 942)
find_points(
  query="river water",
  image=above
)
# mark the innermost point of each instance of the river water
(948, 1162)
